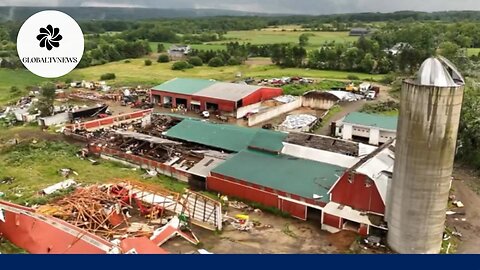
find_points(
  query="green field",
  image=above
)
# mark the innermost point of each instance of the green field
(136, 72)
(473, 51)
(215, 47)
(19, 78)
(32, 170)
(271, 37)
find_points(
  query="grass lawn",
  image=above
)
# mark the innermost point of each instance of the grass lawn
(136, 72)
(35, 165)
(19, 78)
(271, 37)
(473, 51)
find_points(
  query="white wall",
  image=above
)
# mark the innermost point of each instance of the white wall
(315, 103)
(274, 112)
(347, 132)
(374, 136)
(242, 111)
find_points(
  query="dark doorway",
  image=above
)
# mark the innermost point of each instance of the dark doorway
(239, 103)
(197, 183)
(314, 214)
(212, 106)
(181, 102)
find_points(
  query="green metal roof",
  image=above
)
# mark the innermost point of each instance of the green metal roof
(227, 137)
(184, 86)
(372, 120)
(281, 172)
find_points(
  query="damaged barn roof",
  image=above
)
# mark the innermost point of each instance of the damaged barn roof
(227, 137)
(281, 172)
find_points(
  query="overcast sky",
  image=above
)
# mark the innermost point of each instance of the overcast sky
(270, 6)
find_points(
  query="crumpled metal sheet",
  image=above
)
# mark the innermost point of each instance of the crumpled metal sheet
(438, 71)
(296, 121)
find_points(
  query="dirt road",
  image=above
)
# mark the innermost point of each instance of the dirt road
(347, 107)
(470, 227)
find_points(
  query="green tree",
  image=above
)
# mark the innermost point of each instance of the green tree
(163, 58)
(303, 39)
(108, 76)
(148, 62)
(45, 103)
(216, 62)
(195, 61)
(181, 65)
(160, 47)
(449, 50)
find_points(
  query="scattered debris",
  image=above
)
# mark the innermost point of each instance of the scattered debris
(459, 234)
(301, 122)
(458, 204)
(175, 227)
(59, 186)
(238, 205)
(2, 194)
(285, 99)
(7, 180)
(66, 172)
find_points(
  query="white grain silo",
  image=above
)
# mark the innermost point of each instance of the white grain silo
(427, 129)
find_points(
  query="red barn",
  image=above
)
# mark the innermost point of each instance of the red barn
(358, 198)
(199, 94)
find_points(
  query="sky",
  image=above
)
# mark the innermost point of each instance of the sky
(269, 6)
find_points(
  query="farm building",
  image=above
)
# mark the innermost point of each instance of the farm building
(177, 52)
(372, 128)
(359, 32)
(342, 184)
(323, 100)
(198, 94)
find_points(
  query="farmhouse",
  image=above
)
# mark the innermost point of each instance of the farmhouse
(177, 52)
(371, 128)
(198, 94)
(359, 32)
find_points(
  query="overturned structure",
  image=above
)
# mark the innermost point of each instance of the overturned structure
(427, 132)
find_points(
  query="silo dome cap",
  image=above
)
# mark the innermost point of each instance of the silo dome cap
(439, 71)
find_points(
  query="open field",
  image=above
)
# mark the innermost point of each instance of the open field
(19, 78)
(35, 162)
(473, 51)
(270, 36)
(136, 72)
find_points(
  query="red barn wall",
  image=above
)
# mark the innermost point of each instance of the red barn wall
(174, 97)
(235, 189)
(294, 209)
(261, 94)
(331, 220)
(357, 195)
(223, 105)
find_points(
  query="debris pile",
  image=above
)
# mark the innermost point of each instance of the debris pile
(300, 122)
(285, 99)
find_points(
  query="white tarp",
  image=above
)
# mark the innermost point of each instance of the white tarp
(285, 98)
(59, 186)
(345, 96)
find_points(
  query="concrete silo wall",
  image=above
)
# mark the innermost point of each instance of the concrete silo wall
(424, 153)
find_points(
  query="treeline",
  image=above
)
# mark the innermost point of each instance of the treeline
(101, 49)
